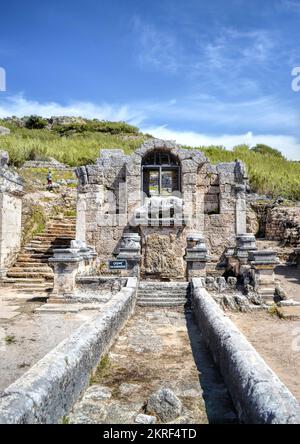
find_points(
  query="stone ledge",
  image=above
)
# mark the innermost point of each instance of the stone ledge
(257, 393)
(49, 389)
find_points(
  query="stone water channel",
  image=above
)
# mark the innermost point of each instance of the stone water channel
(159, 348)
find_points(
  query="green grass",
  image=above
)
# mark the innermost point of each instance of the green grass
(269, 174)
(10, 339)
(75, 149)
(65, 420)
(101, 370)
(78, 144)
(35, 223)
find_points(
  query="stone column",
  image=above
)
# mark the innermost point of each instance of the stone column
(196, 256)
(81, 217)
(130, 250)
(241, 209)
(263, 263)
(11, 193)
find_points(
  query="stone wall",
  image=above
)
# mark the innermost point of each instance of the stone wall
(257, 393)
(49, 389)
(110, 198)
(11, 191)
(283, 224)
(163, 253)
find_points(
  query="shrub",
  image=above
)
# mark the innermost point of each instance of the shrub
(35, 122)
(267, 150)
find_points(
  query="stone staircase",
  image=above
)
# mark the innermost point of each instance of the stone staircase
(31, 272)
(162, 294)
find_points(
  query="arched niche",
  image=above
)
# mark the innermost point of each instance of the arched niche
(161, 174)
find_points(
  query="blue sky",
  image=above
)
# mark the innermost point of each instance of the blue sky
(196, 71)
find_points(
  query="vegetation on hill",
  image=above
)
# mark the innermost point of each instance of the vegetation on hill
(269, 172)
(76, 141)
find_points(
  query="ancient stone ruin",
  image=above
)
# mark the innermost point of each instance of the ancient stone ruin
(162, 248)
(170, 214)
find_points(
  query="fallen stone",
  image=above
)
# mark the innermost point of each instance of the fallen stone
(279, 291)
(4, 158)
(97, 392)
(4, 131)
(128, 389)
(164, 404)
(89, 409)
(145, 419)
(291, 312)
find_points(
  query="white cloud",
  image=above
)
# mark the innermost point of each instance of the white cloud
(288, 145)
(204, 111)
(20, 106)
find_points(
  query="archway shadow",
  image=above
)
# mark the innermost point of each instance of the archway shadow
(218, 403)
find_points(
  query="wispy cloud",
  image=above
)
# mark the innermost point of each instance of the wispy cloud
(225, 59)
(18, 105)
(156, 49)
(289, 145)
(160, 48)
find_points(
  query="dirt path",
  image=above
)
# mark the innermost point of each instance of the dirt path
(277, 341)
(158, 348)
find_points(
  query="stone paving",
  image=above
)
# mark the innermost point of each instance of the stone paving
(26, 336)
(158, 348)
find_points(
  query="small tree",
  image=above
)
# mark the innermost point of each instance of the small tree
(35, 122)
(267, 150)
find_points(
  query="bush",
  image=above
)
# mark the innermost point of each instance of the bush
(35, 122)
(267, 150)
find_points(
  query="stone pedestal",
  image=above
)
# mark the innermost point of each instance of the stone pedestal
(67, 263)
(196, 256)
(246, 244)
(130, 250)
(263, 263)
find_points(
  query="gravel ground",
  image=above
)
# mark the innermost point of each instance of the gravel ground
(158, 348)
(278, 342)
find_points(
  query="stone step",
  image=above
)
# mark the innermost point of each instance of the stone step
(65, 227)
(68, 235)
(44, 249)
(57, 232)
(161, 303)
(23, 280)
(44, 269)
(39, 258)
(160, 287)
(32, 264)
(32, 274)
(47, 245)
(33, 288)
(165, 294)
(49, 236)
(166, 298)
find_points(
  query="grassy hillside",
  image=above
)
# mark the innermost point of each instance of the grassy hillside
(78, 143)
(269, 173)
